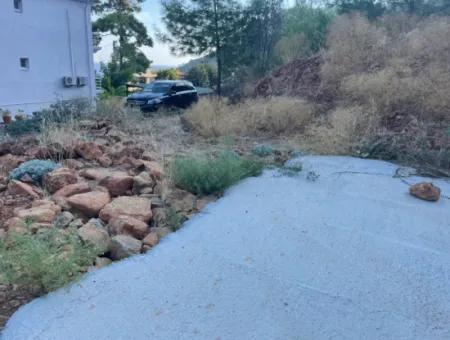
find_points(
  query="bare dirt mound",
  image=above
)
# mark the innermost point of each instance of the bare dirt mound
(299, 78)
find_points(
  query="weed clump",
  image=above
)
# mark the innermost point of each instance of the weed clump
(44, 261)
(209, 174)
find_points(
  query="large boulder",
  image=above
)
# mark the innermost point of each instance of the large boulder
(425, 191)
(128, 225)
(58, 179)
(96, 173)
(151, 239)
(117, 183)
(73, 189)
(89, 203)
(123, 246)
(96, 235)
(136, 207)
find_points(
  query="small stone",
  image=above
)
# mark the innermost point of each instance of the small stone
(425, 191)
(123, 246)
(21, 189)
(128, 225)
(59, 178)
(78, 223)
(16, 225)
(104, 161)
(159, 216)
(161, 231)
(40, 212)
(136, 207)
(101, 262)
(73, 189)
(63, 219)
(89, 203)
(95, 235)
(143, 183)
(73, 164)
(117, 183)
(88, 150)
(154, 168)
(151, 239)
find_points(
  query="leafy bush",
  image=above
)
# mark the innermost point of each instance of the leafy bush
(19, 128)
(210, 174)
(36, 169)
(45, 261)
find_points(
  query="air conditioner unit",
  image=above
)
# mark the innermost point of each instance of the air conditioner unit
(82, 81)
(69, 81)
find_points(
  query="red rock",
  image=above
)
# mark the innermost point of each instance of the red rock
(151, 239)
(128, 225)
(117, 183)
(123, 246)
(96, 173)
(21, 189)
(154, 169)
(42, 211)
(88, 150)
(16, 225)
(104, 161)
(89, 203)
(73, 189)
(73, 164)
(425, 191)
(59, 178)
(136, 207)
(9, 162)
(95, 235)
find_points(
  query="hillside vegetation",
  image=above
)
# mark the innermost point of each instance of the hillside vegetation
(378, 89)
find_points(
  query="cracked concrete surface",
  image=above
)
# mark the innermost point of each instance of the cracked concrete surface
(345, 255)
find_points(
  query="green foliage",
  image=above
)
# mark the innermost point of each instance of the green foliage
(23, 127)
(311, 23)
(174, 219)
(210, 174)
(168, 74)
(263, 150)
(202, 27)
(118, 19)
(36, 169)
(203, 75)
(45, 261)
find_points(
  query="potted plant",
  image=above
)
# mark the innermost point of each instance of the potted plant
(20, 115)
(6, 117)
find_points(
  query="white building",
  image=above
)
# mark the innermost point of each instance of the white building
(46, 53)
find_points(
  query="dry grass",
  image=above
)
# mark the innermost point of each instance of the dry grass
(271, 116)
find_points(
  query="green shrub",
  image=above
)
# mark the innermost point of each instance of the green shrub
(19, 128)
(263, 150)
(210, 174)
(36, 169)
(45, 261)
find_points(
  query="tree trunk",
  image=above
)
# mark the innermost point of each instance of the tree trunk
(218, 50)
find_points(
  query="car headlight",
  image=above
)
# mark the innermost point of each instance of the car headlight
(154, 101)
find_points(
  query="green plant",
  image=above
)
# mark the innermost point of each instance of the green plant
(263, 150)
(210, 174)
(36, 169)
(44, 261)
(174, 219)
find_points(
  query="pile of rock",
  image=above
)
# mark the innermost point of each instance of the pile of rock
(117, 198)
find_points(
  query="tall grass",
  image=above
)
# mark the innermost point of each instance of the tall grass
(209, 174)
(271, 116)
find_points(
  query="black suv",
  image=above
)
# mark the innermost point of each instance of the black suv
(178, 93)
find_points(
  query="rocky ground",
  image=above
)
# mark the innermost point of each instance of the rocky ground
(115, 192)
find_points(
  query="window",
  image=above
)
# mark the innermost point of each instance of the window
(24, 64)
(18, 5)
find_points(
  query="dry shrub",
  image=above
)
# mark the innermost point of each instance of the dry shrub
(276, 115)
(341, 131)
(354, 46)
(114, 110)
(397, 66)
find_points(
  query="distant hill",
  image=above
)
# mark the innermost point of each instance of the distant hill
(190, 64)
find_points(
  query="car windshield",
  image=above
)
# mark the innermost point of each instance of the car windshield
(158, 87)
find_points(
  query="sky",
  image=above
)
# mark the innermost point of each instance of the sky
(159, 54)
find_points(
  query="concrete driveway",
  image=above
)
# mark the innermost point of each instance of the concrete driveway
(347, 255)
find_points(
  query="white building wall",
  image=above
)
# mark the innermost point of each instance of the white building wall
(56, 37)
